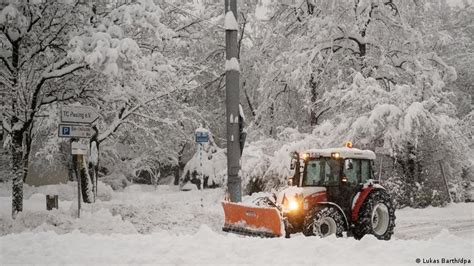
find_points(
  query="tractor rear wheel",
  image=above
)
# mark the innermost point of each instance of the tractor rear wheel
(324, 222)
(376, 216)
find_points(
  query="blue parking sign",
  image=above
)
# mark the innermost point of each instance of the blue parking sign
(66, 131)
(202, 136)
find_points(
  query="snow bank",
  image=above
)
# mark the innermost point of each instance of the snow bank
(426, 223)
(208, 247)
(67, 192)
(93, 220)
(137, 209)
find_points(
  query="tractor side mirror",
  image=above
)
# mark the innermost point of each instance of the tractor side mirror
(348, 165)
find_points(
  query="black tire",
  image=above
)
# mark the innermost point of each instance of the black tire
(376, 216)
(323, 222)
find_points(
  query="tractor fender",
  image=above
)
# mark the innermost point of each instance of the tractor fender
(360, 197)
(339, 208)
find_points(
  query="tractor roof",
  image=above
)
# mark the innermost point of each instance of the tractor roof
(344, 152)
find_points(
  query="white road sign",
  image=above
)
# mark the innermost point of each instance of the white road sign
(78, 114)
(75, 131)
(79, 148)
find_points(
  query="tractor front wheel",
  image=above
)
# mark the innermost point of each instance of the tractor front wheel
(376, 216)
(324, 222)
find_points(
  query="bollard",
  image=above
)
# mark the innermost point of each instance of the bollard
(51, 202)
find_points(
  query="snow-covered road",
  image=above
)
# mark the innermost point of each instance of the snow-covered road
(163, 225)
(209, 247)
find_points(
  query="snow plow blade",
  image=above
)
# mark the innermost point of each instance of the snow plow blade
(253, 221)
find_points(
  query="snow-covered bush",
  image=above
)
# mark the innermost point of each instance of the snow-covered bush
(208, 161)
(117, 181)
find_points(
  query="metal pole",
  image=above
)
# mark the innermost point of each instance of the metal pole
(75, 159)
(202, 173)
(445, 181)
(232, 109)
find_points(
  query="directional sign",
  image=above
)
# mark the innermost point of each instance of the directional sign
(75, 131)
(202, 136)
(78, 114)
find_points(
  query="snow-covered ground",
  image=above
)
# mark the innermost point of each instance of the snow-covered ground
(144, 224)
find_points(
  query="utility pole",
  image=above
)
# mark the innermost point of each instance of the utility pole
(232, 101)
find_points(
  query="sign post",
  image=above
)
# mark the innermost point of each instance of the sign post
(76, 123)
(74, 163)
(202, 136)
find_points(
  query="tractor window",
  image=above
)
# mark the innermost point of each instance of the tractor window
(313, 173)
(365, 170)
(351, 171)
(332, 172)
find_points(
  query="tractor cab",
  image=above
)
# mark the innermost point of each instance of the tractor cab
(332, 167)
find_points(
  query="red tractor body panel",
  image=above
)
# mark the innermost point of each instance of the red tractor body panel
(359, 201)
(311, 200)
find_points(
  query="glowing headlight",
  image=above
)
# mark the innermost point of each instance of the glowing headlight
(293, 205)
(305, 156)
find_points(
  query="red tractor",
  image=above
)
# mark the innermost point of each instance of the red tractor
(332, 191)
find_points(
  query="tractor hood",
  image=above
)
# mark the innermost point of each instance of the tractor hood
(291, 192)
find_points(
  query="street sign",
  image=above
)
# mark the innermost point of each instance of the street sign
(75, 131)
(79, 148)
(78, 114)
(202, 136)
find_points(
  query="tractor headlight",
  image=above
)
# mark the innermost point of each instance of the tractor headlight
(305, 156)
(293, 205)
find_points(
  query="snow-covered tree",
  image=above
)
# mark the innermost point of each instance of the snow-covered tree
(97, 54)
(366, 71)
(34, 37)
